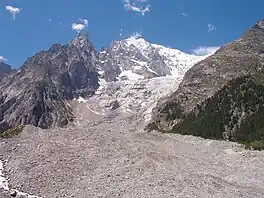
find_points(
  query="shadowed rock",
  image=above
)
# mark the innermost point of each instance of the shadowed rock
(37, 94)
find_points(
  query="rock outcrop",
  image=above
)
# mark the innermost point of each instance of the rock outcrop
(5, 70)
(38, 93)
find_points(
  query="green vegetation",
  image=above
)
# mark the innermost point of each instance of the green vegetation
(173, 111)
(256, 145)
(14, 131)
(235, 113)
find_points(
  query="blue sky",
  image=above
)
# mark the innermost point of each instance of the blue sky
(181, 24)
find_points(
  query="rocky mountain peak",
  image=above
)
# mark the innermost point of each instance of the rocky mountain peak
(55, 47)
(260, 23)
(80, 40)
(50, 78)
(138, 41)
(136, 58)
(37, 94)
(4, 68)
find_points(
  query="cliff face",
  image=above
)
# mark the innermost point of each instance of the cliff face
(5, 70)
(37, 94)
(243, 57)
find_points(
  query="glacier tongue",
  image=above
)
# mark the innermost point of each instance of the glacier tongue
(136, 96)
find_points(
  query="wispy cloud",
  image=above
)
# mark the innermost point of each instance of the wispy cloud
(205, 50)
(13, 11)
(78, 27)
(140, 6)
(211, 27)
(121, 32)
(2, 59)
(184, 14)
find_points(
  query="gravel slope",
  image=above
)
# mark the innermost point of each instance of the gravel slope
(111, 156)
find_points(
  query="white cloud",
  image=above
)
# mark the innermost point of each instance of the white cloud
(13, 11)
(211, 27)
(184, 14)
(205, 50)
(78, 27)
(140, 6)
(2, 59)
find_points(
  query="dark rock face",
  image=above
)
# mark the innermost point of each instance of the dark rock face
(109, 65)
(5, 69)
(240, 58)
(37, 94)
(114, 105)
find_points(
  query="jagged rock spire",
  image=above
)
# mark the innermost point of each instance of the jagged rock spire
(80, 39)
(260, 23)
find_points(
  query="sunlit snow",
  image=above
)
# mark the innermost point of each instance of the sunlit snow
(130, 75)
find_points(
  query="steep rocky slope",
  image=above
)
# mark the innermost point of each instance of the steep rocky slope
(234, 113)
(136, 58)
(5, 69)
(243, 57)
(38, 92)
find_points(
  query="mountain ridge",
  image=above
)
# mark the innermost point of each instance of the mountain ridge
(239, 58)
(40, 91)
(144, 59)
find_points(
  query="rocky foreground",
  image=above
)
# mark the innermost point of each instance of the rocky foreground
(110, 155)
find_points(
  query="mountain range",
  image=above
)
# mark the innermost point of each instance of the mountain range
(122, 121)
(39, 92)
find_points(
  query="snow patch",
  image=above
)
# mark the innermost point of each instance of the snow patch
(130, 75)
(3, 180)
(137, 41)
(81, 99)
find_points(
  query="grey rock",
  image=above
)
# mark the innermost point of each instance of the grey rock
(39, 92)
(13, 193)
(4, 194)
(5, 69)
(166, 165)
(114, 105)
(122, 55)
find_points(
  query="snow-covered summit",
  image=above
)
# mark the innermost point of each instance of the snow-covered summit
(136, 58)
(136, 73)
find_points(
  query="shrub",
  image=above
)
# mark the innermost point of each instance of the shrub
(12, 132)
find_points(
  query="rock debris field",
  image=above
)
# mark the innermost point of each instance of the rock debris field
(110, 155)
